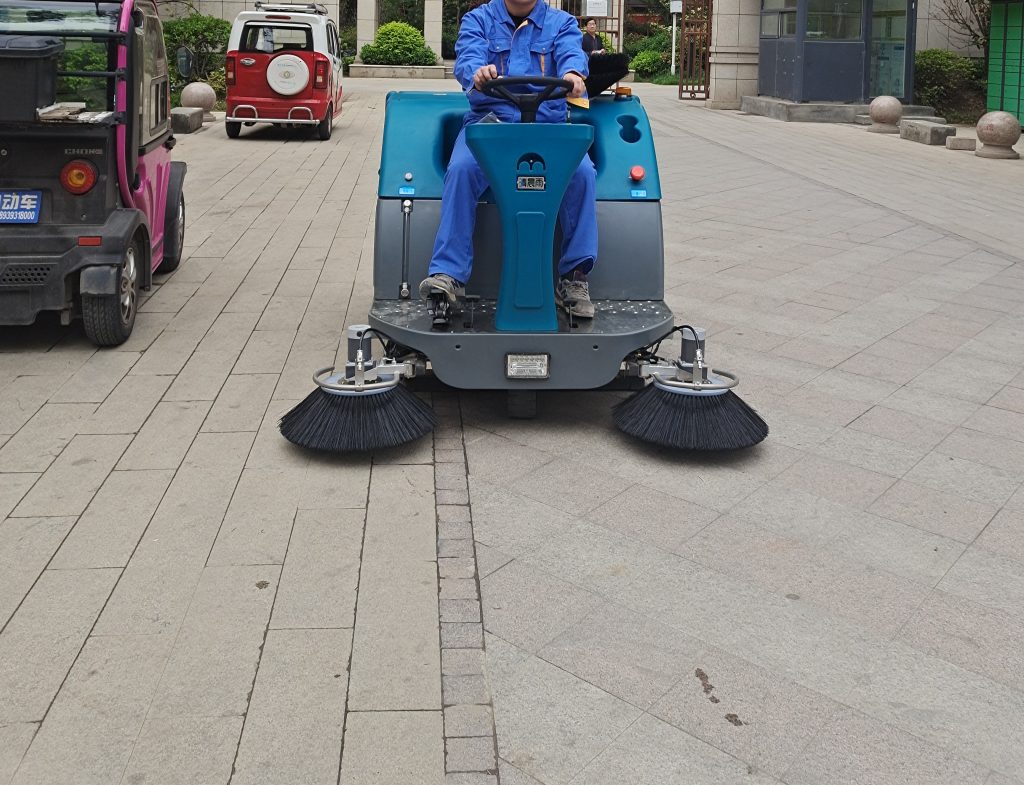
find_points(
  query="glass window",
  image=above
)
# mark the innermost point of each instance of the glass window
(96, 92)
(787, 24)
(834, 20)
(43, 16)
(769, 25)
(276, 38)
(778, 5)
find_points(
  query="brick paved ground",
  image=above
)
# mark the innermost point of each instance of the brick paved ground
(184, 598)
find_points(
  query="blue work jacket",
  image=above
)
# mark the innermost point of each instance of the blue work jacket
(548, 43)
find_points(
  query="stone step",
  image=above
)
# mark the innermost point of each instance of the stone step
(961, 143)
(925, 132)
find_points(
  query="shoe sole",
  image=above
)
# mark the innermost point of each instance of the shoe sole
(574, 312)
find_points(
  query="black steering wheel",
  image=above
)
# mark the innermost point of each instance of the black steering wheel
(555, 89)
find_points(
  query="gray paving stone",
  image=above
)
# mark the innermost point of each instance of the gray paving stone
(184, 750)
(939, 512)
(293, 727)
(652, 752)
(467, 778)
(202, 376)
(550, 723)
(970, 635)
(570, 486)
(753, 714)
(512, 522)
(516, 603)
(26, 547)
(625, 654)
(43, 437)
(13, 487)
(91, 728)
(67, 487)
(836, 480)
(241, 403)
(129, 404)
(497, 460)
(108, 531)
(1005, 534)
(461, 635)
(155, 589)
(654, 517)
(983, 484)
(42, 640)
(393, 748)
(166, 436)
(466, 610)
(458, 589)
(455, 549)
(14, 740)
(210, 669)
(870, 452)
(859, 750)
(962, 712)
(463, 567)
(473, 754)
(266, 350)
(455, 531)
(462, 662)
(259, 519)
(468, 720)
(92, 382)
(321, 570)
(464, 689)
(987, 578)
(395, 659)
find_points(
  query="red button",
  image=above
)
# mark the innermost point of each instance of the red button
(636, 173)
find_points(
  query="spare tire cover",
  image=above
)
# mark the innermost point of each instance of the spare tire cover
(287, 74)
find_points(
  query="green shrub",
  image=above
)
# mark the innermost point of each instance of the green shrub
(658, 39)
(206, 36)
(218, 80)
(347, 37)
(449, 35)
(647, 64)
(665, 78)
(398, 44)
(953, 84)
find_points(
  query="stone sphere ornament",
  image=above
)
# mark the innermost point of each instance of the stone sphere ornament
(998, 132)
(886, 113)
(201, 95)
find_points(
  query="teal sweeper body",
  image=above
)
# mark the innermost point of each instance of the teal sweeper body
(506, 333)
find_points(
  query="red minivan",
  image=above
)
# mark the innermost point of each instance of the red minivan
(284, 67)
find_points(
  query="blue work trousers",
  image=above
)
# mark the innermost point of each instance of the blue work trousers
(465, 183)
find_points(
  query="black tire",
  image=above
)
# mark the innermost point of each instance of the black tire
(323, 130)
(233, 130)
(109, 318)
(174, 240)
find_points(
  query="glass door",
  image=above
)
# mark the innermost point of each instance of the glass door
(890, 47)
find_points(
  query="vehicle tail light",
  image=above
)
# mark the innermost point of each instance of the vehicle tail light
(229, 69)
(78, 177)
(320, 75)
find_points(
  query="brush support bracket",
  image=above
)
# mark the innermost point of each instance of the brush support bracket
(367, 378)
(688, 378)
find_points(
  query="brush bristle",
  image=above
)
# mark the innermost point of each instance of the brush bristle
(357, 423)
(690, 422)
(605, 70)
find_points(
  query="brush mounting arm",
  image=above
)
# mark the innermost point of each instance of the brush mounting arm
(682, 375)
(378, 377)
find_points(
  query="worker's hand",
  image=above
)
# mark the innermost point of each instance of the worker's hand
(578, 88)
(484, 73)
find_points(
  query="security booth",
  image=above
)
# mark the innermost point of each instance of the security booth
(836, 50)
(1006, 58)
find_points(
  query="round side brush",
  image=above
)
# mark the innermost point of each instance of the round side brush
(688, 406)
(364, 408)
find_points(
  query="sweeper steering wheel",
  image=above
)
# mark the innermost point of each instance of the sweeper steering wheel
(554, 89)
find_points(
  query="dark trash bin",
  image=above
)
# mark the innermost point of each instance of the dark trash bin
(28, 72)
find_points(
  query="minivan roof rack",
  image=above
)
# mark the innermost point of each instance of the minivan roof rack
(295, 8)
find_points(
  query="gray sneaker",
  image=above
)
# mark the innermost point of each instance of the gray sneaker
(575, 288)
(441, 283)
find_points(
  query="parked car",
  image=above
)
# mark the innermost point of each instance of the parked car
(90, 202)
(284, 67)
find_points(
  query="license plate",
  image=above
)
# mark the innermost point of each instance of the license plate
(526, 366)
(20, 207)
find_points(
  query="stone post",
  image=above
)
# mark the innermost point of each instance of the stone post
(735, 25)
(432, 25)
(366, 24)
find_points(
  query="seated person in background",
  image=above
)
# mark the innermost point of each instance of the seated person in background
(515, 38)
(592, 43)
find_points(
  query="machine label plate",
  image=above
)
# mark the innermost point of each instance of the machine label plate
(20, 207)
(531, 183)
(526, 366)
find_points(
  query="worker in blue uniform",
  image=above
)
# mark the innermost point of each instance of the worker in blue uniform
(515, 38)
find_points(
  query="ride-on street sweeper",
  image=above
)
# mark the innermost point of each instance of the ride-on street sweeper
(505, 333)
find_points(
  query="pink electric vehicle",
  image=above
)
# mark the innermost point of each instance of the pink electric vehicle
(91, 204)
